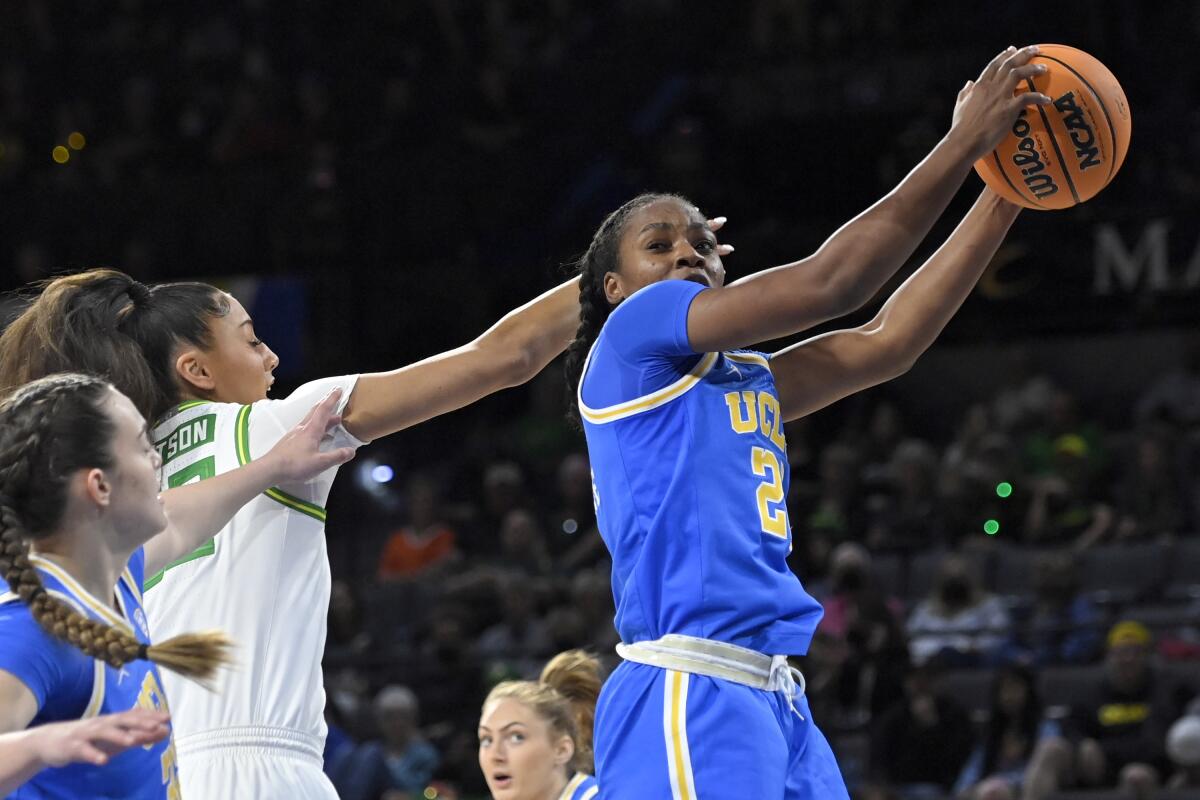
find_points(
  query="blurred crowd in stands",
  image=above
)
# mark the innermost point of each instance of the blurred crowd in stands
(1012, 596)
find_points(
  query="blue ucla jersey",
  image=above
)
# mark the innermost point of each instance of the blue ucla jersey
(69, 685)
(691, 477)
(581, 787)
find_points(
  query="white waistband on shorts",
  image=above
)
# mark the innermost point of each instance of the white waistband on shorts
(246, 739)
(719, 660)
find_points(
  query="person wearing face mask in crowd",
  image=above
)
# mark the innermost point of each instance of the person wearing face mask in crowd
(958, 624)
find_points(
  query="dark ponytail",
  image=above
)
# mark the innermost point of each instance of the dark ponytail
(49, 430)
(103, 322)
(602, 257)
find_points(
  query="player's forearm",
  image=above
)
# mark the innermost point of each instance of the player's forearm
(20, 759)
(509, 353)
(197, 512)
(867, 251)
(536, 333)
(919, 310)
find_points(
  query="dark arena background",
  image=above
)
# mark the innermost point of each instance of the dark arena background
(379, 181)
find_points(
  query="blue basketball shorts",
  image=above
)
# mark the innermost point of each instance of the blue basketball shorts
(667, 734)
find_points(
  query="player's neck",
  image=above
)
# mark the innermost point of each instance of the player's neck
(87, 558)
(556, 788)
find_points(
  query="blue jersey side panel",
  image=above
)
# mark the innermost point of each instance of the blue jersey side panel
(65, 683)
(691, 473)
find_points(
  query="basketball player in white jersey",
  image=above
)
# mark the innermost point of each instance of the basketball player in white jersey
(187, 355)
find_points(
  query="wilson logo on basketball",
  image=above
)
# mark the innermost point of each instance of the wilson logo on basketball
(1028, 159)
(1082, 135)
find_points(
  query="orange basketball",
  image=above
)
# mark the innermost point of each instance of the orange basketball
(1065, 153)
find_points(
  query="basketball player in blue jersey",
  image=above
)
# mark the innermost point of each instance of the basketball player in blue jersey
(79, 482)
(685, 432)
(535, 737)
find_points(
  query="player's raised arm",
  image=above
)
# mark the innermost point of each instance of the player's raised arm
(860, 257)
(814, 373)
(195, 513)
(508, 354)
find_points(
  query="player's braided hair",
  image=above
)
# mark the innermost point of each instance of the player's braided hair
(49, 430)
(105, 323)
(565, 697)
(602, 256)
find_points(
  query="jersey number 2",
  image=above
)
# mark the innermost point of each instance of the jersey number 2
(771, 513)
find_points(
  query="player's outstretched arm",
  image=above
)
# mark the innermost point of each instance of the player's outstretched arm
(863, 254)
(509, 353)
(819, 371)
(25, 753)
(195, 513)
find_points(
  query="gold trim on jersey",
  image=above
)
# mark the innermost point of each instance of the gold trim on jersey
(97, 699)
(590, 793)
(572, 785)
(679, 757)
(749, 358)
(82, 595)
(647, 402)
(241, 434)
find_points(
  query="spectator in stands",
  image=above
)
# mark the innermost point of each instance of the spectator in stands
(446, 669)
(504, 490)
(1151, 497)
(921, 743)
(520, 639)
(1118, 735)
(905, 506)
(397, 767)
(1061, 626)
(574, 539)
(426, 542)
(1064, 508)
(1015, 725)
(592, 596)
(833, 513)
(859, 647)
(958, 624)
(347, 635)
(1174, 398)
(523, 545)
(1183, 748)
(1024, 397)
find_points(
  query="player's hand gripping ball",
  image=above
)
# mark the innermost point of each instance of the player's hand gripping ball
(1064, 153)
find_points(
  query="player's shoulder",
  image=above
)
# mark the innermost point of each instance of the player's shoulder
(19, 631)
(194, 415)
(661, 295)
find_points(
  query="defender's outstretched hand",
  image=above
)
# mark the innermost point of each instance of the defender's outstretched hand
(298, 457)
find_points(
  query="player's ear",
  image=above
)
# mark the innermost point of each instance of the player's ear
(614, 290)
(564, 751)
(95, 485)
(192, 369)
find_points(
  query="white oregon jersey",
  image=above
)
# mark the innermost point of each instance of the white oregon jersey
(263, 579)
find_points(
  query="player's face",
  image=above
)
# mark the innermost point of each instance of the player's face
(519, 756)
(663, 241)
(135, 505)
(239, 363)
